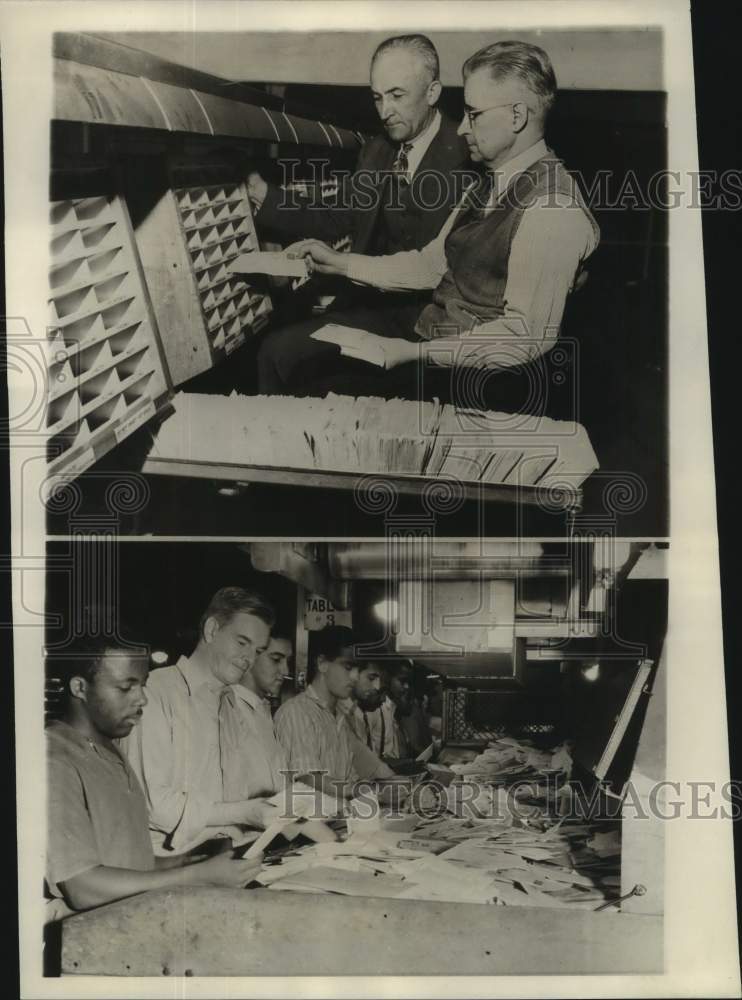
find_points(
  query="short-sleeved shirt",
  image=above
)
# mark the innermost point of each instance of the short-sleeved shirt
(315, 738)
(96, 812)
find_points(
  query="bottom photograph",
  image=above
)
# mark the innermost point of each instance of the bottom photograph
(400, 757)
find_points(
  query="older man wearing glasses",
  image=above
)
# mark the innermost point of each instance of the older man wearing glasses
(506, 258)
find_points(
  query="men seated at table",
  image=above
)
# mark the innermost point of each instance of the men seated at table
(176, 753)
(392, 202)
(98, 842)
(314, 732)
(501, 267)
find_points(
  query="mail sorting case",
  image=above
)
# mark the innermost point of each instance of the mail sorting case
(106, 374)
(217, 226)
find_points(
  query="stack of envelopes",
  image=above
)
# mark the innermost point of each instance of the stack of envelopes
(378, 436)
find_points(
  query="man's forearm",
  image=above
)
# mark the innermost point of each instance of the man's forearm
(406, 271)
(247, 812)
(103, 885)
(482, 350)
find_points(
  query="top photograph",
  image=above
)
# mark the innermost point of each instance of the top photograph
(326, 285)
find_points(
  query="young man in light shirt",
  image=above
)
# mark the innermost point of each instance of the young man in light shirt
(313, 730)
(370, 713)
(253, 761)
(176, 753)
(505, 260)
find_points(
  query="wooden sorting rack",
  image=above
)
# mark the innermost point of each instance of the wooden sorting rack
(105, 368)
(200, 222)
(337, 480)
(217, 226)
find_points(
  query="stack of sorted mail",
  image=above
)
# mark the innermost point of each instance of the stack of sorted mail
(373, 436)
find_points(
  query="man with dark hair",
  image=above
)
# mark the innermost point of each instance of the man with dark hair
(403, 189)
(411, 732)
(176, 751)
(371, 714)
(253, 761)
(504, 261)
(314, 732)
(98, 843)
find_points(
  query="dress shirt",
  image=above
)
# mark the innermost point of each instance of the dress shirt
(315, 738)
(252, 758)
(418, 147)
(174, 752)
(96, 811)
(547, 249)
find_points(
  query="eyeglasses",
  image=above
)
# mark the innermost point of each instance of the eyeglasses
(473, 113)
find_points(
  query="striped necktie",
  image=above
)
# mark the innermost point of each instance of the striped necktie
(401, 164)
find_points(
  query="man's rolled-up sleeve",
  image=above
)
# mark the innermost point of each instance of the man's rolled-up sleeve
(547, 251)
(408, 270)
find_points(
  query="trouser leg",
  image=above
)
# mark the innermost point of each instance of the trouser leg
(290, 361)
(289, 350)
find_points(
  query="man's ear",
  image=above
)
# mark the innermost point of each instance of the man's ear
(322, 664)
(211, 627)
(434, 92)
(520, 116)
(79, 688)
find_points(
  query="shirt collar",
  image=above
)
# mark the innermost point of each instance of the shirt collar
(250, 697)
(506, 172)
(66, 731)
(315, 696)
(427, 135)
(196, 677)
(418, 147)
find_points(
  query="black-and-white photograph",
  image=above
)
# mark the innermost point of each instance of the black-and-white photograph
(280, 268)
(365, 577)
(466, 738)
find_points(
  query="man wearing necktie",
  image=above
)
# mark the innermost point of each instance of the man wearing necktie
(500, 268)
(175, 752)
(391, 203)
(402, 163)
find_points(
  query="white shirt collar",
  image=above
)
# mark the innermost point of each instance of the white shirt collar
(419, 145)
(196, 676)
(250, 697)
(507, 172)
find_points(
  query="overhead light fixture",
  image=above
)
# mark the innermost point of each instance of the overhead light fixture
(387, 611)
(159, 656)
